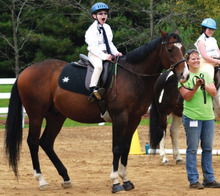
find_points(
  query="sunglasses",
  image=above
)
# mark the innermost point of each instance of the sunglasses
(102, 13)
(190, 52)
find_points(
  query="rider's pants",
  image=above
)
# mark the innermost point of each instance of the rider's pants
(97, 64)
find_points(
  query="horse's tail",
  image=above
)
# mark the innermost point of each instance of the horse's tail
(156, 131)
(13, 133)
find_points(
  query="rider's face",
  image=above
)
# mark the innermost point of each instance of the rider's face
(101, 16)
(209, 32)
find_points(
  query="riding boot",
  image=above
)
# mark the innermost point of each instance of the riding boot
(97, 93)
(92, 97)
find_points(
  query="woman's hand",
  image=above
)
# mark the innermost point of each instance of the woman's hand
(199, 82)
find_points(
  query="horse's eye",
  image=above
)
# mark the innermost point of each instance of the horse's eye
(169, 49)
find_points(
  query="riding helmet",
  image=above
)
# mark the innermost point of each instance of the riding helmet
(99, 6)
(209, 23)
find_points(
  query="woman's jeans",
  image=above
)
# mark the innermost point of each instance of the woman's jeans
(203, 131)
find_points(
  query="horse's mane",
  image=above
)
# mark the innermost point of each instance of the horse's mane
(142, 52)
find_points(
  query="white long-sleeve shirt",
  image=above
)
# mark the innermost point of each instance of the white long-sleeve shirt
(94, 39)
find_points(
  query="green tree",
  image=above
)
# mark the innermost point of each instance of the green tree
(35, 30)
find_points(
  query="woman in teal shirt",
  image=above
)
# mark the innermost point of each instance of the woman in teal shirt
(198, 120)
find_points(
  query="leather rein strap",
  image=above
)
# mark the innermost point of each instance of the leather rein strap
(202, 87)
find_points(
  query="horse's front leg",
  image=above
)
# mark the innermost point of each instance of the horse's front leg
(121, 171)
(121, 146)
(174, 128)
(127, 184)
(114, 174)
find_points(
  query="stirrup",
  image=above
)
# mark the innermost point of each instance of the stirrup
(99, 93)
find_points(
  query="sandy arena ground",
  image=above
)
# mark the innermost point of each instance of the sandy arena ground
(86, 152)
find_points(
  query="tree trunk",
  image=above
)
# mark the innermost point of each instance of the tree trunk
(14, 29)
(151, 19)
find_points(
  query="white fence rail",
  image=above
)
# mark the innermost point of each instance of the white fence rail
(4, 110)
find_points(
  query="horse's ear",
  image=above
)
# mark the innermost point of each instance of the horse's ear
(163, 34)
(177, 32)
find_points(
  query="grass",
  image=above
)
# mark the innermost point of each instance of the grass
(68, 123)
(4, 102)
(71, 123)
(5, 88)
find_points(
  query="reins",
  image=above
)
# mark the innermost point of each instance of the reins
(172, 67)
(138, 74)
(202, 87)
(116, 59)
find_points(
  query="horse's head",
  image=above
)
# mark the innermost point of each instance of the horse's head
(172, 52)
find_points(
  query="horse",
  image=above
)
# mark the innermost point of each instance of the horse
(168, 101)
(38, 90)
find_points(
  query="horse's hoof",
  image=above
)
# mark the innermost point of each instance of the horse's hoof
(166, 162)
(180, 162)
(116, 188)
(43, 187)
(66, 184)
(128, 185)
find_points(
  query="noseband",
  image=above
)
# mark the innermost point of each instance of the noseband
(172, 67)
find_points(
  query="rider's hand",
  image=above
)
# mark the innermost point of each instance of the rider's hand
(119, 54)
(109, 58)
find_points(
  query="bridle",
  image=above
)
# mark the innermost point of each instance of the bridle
(171, 68)
(116, 59)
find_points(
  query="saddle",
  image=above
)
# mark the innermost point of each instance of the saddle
(84, 61)
(76, 77)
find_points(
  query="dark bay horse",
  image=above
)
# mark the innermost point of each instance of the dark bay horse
(38, 91)
(167, 100)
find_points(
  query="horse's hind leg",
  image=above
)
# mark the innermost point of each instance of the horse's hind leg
(53, 126)
(163, 155)
(33, 143)
(174, 128)
(163, 125)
